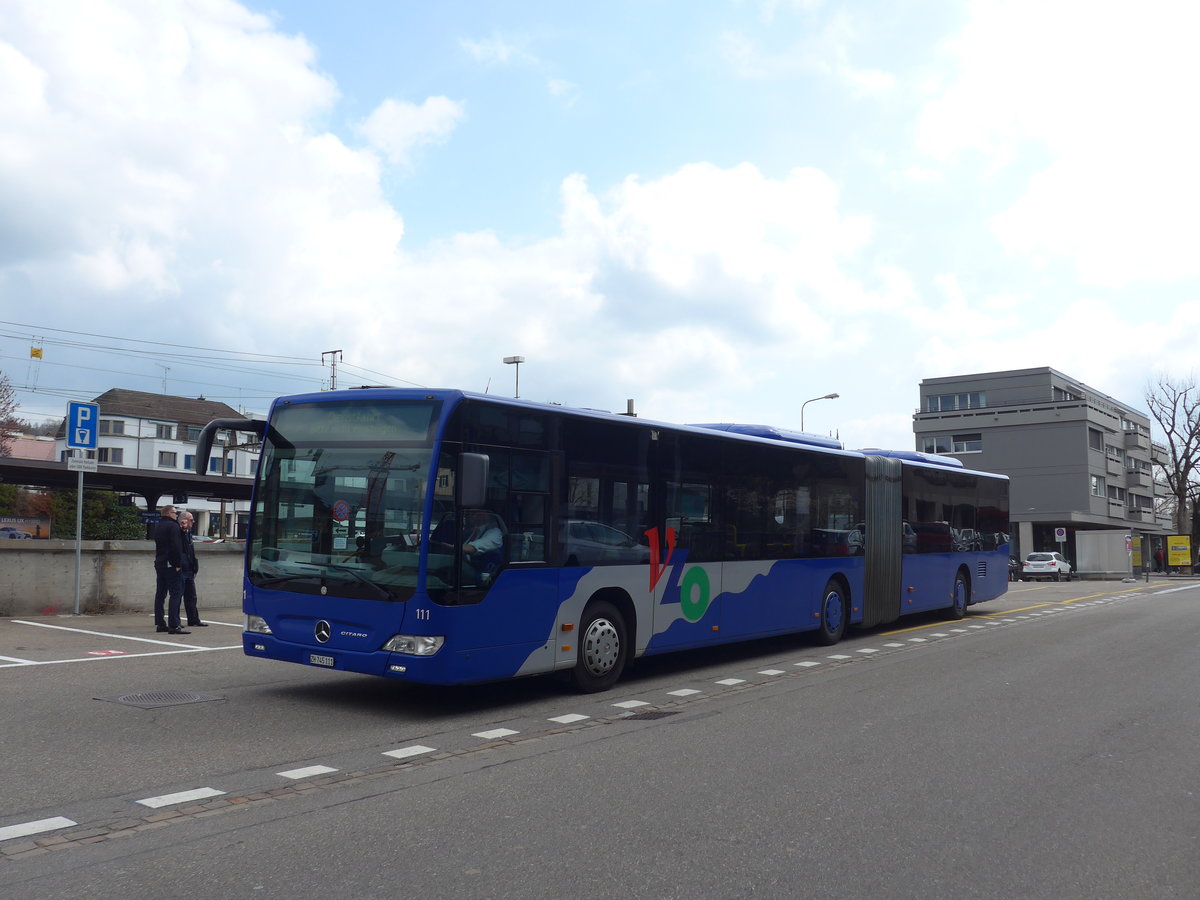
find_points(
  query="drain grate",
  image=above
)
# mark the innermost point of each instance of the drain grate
(155, 699)
(651, 714)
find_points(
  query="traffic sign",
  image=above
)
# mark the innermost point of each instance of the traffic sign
(1060, 535)
(83, 423)
(78, 464)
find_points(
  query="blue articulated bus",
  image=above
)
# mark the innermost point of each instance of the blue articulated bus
(445, 537)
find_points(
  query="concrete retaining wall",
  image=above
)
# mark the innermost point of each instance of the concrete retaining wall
(38, 577)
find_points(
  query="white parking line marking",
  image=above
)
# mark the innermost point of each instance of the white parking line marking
(308, 772)
(893, 645)
(867, 650)
(807, 664)
(8, 832)
(568, 718)
(104, 634)
(406, 752)
(918, 641)
(494, 733)
(683, 692)
(631, 704)
(730, 682)
(181, 797)
(771, 672)
(55, 662)
(838, 656)
(939, 634)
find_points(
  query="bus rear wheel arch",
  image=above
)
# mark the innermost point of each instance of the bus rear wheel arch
(833, 613)
(603, 647)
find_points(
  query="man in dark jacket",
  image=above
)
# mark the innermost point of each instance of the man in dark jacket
(168, 568)
(190, 567)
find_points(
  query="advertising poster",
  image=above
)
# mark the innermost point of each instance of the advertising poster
(1179, 550)
(22, 528)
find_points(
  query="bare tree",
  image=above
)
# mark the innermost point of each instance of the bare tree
(1175, 405)
(8, 421)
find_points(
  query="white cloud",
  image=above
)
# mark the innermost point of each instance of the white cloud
(396, 127)
(496, 50)
(826, 51)
(1091, 102)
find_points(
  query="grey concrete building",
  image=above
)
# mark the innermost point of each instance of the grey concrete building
(1077, 459)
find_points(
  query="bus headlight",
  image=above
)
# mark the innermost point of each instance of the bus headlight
(257, 625)
(415, 644)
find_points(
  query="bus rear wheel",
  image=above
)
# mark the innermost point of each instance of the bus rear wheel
(603, 648)
(958, 598)
(833, 614)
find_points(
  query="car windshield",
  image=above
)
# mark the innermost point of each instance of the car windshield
(341, 493)
(1040, 557)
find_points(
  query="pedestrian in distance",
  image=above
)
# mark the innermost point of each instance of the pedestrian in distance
(168, 571)
(190, 567)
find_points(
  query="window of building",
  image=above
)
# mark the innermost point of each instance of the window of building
(214, 465)
(166, 459)
(1060, 394)
(166, 432)
(76, 454)
(193, 433)
(1096, 439)
(112, 455)
(1116, 493)
(1098, 486)
(939, 444)
(948, 402)
(967, 443)
(112, 426)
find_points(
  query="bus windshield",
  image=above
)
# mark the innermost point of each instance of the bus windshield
(340, 496)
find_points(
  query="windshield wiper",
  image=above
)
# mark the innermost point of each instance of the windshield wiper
(354, 573)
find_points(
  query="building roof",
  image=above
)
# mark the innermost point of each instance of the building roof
(143, 405)
(25, 446)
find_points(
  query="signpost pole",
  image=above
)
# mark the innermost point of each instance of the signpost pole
(78, 534)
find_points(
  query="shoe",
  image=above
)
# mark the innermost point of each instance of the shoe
(162, 629)
(178, 631)
(197, 625)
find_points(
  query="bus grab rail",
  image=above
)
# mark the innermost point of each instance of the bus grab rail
(209, 433)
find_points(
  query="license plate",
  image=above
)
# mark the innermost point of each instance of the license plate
(318, 660)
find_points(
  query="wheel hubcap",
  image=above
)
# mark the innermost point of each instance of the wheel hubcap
(833, 612)
(601, 647)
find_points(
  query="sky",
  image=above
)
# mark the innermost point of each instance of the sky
(717, 208)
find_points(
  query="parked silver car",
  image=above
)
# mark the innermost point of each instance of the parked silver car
(1046, 565)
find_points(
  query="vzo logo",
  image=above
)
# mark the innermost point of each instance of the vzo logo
(691, 590)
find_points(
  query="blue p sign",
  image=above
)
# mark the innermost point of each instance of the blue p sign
(83, 422)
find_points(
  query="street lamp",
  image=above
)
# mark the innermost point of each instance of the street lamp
(806, 402)
(515, 361)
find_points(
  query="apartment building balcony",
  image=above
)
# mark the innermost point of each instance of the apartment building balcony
(1136, 440)
(1159, 454)
(1137, 478)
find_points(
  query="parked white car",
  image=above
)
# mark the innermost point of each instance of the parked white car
(1046, 565)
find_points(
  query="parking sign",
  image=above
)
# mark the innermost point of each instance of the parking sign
(83, 423)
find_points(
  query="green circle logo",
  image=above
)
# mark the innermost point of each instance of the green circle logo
(694, 594)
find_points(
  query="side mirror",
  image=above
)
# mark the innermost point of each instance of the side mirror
(472, 479)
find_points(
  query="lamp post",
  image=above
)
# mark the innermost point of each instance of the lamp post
(806, 402)
(515, 361)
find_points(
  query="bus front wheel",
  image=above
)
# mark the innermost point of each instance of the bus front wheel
(603, 648)
(832, 614)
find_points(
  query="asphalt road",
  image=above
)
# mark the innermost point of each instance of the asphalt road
(1047, 746)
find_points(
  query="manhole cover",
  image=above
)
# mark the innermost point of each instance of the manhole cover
(155, 699)
(651, 714)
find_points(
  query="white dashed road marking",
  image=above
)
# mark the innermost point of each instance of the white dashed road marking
(495, 733)
(406, 752)
(8, 832)
(309, 772)
(181, 797)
